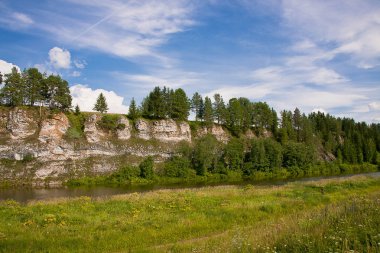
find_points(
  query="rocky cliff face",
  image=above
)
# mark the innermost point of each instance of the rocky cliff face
(217, 131)
(24, 135)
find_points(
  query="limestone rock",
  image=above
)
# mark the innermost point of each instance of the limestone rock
(217, 131)
(124, 134)
(143, 129)
(92, 133)
(52, 130)
(21, 124)
(169, 131)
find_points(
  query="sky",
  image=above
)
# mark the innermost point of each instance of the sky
(314, 55)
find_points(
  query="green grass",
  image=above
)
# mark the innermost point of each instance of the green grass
(331, 215)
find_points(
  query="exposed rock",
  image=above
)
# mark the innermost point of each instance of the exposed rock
(143, 129)
(124, 134)
(250, 134)
(52, 130)
(216, 130)
(21, 124)
(92, 133)
(219, 133)
(267, 134)
(3, 122)
(169, 131)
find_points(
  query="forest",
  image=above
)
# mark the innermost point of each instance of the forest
(288, 141)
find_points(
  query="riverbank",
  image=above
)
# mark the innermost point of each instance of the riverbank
(292, 217)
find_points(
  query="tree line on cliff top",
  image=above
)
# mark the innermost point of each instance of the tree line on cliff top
(346, 139)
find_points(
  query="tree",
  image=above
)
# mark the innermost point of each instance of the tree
(154, 105)
(146, 168)
(12, 93)
(33, 80)
(234, 118)
(208, 112)
(219, 108)
(133, 110)
(297, 121)
(205, 154)
(234, 154)
(180, 105)
(77, 110)
(56, 93)
(197, 106)
(101, 104)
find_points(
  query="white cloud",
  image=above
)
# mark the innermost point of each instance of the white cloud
(80, 64)
(352, 27)
(321, 110)
(76, 73)
(86, 97)
(123, 28)
(375, 106)
(59, 58)
(22, 18)
(6, 67)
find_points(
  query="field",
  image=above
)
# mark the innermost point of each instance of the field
(332, 215)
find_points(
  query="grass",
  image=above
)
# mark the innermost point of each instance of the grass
(326, 216)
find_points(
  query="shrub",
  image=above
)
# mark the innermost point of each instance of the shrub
(178, 167)
(110, 122)
(146, 168)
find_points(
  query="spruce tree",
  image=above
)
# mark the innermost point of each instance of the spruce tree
(12, 93)
(133, 110)
(197, 106)
(219, 108)
(180, 105)
(101, 104)
(208, 112)
(77, 110)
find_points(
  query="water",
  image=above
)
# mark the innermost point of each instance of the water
(24, 195)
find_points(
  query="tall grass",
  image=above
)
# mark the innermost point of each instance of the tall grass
(210, 219)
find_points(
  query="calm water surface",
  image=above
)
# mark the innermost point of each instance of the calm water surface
(24, 195)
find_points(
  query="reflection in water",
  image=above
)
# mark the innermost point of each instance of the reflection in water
(24, 195)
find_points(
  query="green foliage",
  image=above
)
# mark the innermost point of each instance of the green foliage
(147, 168)
(76, 128)
(298, 155)
(208, 113)
(110, 122)
(206, 154)
(134, 112)
(233, 155)
(197, 106)
(123, 175)
(178, 167)
(101, 104)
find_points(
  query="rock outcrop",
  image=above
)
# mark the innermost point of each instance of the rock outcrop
(215, 130)
(124, 134)
(91, 131)
(21, 124)
(169, 131)
(143, 129)
(52, 130)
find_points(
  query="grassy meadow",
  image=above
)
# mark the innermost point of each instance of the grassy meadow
(332, 215)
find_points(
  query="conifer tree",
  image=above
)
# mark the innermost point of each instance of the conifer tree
(77, 110)
(180, 105)
(101, 104)
(197, 106)
(13, 91)
(133, 110)
(219, 108)
(208, 112)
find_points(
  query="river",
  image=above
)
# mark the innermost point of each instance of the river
(24, 195)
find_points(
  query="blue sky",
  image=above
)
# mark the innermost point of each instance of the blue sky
(315, 55)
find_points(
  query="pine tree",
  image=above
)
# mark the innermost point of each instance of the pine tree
(219, 108)
(12, 93)
(297, 122)
(33, 81)
(133, 110)
(197, 106)
(101, 104)
(180, 105)
(208, 112)
(77, 110)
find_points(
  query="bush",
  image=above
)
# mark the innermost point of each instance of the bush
(110, 122)
(178, 167)
(124, 174)
(76, 128)
(146, 168)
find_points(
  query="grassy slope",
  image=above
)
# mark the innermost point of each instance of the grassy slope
(297, 217)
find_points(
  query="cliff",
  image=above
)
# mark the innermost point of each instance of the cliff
(36, 146)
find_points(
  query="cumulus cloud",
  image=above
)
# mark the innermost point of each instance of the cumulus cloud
(80, 64)
(375, 106)
(6, 67)
(59, 58)
(86, 97)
